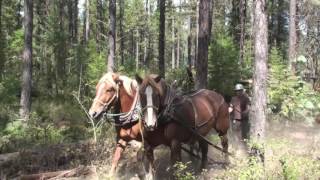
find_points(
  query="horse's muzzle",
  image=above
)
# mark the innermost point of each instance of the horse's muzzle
(94, 114)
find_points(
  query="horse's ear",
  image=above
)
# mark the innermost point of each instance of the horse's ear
(139, 79)
(157, 78)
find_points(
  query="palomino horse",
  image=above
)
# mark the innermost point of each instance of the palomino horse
(183, 118)
(120, 92)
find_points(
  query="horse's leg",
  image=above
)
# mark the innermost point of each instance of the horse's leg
(148, 161)
(150, 164)
(121, 144)
(204, 154)
(175, 151)
(225, 146)
(175, 155)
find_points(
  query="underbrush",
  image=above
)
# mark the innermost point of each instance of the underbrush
(49, 123)
(284, 160)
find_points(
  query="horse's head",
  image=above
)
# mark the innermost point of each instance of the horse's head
(152, 95)
(108, 91)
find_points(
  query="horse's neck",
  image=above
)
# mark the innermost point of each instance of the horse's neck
(126, 100)
(168, 94)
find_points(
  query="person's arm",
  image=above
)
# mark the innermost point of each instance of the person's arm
(230, 108)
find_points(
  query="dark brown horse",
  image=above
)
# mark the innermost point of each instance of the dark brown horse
(181, 118)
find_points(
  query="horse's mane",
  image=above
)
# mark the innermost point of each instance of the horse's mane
(128, 84)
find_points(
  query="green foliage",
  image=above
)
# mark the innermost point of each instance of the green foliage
(223, 70)
(51, 122)
(295, 167)
(17, 134)
(96, 63)
(182, 172)
(254, 170)
(183, 80)
(288, 94)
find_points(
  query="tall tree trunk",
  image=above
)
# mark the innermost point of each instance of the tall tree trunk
(243, 4)
(281, 21)
(178, 49)
(18, 15)
(190, 44)
(210, 19)
(203, 43)
(235, 20)
(292, 35)
(70, 20)
(26, 85)
(196, 39)
(258, 114)
(60, 49)
(75, 19)
(112, 36)
(137, 51)
(147, 40)
(2, 61)
(173, 48)
(87, 24)
(98, 25)
(121, 6)
(162, 28)
(272, 26)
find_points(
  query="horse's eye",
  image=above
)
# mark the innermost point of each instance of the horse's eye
(110, 90)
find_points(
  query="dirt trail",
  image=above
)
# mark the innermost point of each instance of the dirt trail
(302, 139)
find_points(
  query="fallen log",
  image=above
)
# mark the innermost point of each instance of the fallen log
(5, 158)
(84, 172)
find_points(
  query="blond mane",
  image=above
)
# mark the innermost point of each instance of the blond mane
(129, 84)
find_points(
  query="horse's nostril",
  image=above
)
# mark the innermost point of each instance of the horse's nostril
(93, 114)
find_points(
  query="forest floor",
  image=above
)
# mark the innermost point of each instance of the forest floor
(291, 150)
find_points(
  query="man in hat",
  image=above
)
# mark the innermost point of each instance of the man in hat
(239, 109)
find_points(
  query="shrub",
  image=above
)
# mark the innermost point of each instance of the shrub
(288, 94)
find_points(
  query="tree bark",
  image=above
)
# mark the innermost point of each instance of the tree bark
(292, 35)
(210, 19)
(203, 43)
(235, 20)
(2, 61)
(162, 28)
(137, 51)
(281, 22)
(26, 85)
(100, 27)
(243, 5)
(173, 46)
(190, 40)
(196, 39)
(112, 36)
(190, 44)
(70, 20)
(178, 49)
(87, 24)
(75, 19)
(258, 114)
(18, 15)
(121, 7)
